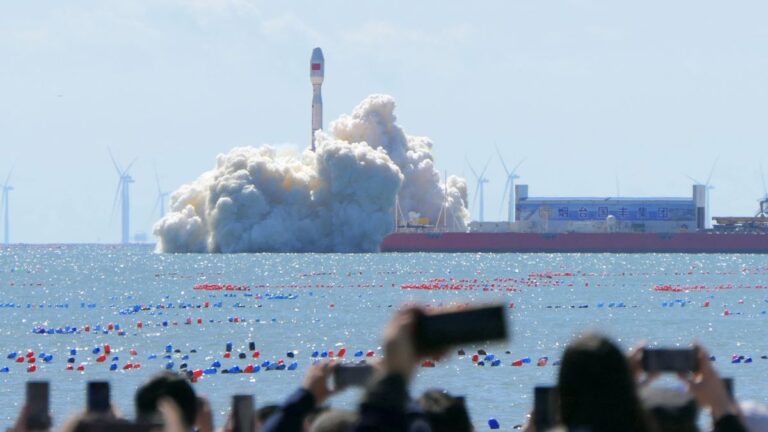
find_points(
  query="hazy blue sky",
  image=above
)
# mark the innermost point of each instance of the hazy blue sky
(588, 91)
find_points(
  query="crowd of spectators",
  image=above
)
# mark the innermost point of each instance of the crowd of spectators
(599, 389)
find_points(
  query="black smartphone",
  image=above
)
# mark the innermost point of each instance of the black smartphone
(728, 383)
(435, 332)
(670, 360)
(98, 397)
(350, 375)
(243, 413)
(546, 406)
(38, 399)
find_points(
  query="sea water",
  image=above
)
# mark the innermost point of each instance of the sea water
(301, 303)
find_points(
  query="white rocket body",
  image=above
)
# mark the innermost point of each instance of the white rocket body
(316, 75)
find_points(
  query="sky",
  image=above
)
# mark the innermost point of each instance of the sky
(599, 97)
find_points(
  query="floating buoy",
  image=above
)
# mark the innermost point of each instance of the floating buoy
(69, 367)
(251, 346)
(197, 373)
(113, 367)
(13, 355)
(5, 370)
(248, 369)
(493, 423)
(30, 354)
(706, 304)
(216, 364)
(133, 352)
(32, 368)
(19, 359)
(127, 365)
(293, 366)
(241, 356)
(31, 360)
(517, 363)
(341, 353)
(461, 352)
(256, 354)
(228, 347)
(496, 363)
(101, 359)
(107, 349)
(227, 354)
(169, 365)
(428, 363)
(81, 368)
(475, 358)
(542, 361)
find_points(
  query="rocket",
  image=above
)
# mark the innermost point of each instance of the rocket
(316, 75)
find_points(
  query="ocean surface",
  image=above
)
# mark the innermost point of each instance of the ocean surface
(58, 298)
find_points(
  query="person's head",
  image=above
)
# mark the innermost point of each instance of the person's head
(445, 412)
(166, 385)
(670, 409)
(596, 387)
(334, 420)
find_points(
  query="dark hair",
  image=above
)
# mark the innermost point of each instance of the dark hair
(597, 390)
(170, 385)
(446, 413)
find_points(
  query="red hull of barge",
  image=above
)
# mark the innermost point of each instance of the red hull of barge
(695, 242)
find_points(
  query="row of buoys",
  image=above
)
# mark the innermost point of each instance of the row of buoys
(220, 287)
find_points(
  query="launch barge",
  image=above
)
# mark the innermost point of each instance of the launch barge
(596, 225)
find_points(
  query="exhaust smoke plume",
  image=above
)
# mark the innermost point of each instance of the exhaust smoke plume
(340, 198)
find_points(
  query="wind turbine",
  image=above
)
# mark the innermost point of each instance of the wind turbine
(707, 188)
(481, 180)
(509, 187)
(125, 198)
(161, 196)
(4, 205)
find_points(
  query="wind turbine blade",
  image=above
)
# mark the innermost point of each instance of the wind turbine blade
(8, 179)
(693, 179)
(482, 174)
(504, 197)
(114, 162)
(474, 196)
(130, 165)
(470, 167)
(712, 171)
(157, 180)
(501, 158)
(514, 170)
(117, 194)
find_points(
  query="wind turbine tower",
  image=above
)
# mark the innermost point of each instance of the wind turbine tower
(481, 180)
(707, 187)
(4, 204)
(125, 199)
(161, 196)
(509, 187)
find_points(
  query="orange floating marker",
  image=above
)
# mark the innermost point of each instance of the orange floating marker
(197, 373)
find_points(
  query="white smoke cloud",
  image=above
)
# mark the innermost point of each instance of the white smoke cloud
(340, 198)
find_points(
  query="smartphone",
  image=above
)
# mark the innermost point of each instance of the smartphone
(243, 413)
(38, 397)
(435, 332)
(351, 375)
(546, 407)
(670, 360)
(98, 397)
(728, 383)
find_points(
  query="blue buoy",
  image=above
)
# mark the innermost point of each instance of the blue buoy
(210, 371)
(73, 352)
(151, 356)
(493, 423)
(290, 354)
(12, 355)
(216, 364)
(96, 350)
(5, 370)
(113, 367)
(229, 347)
(314, 354)
(293, 366)
(357, 354)
(169, 348)
(169, 365)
